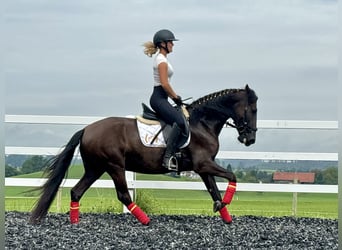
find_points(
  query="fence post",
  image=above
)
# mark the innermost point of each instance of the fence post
(130, 177)
(59, 200)
(294, 200)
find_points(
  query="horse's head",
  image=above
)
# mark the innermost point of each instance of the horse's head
(214, 109)
(245, 116)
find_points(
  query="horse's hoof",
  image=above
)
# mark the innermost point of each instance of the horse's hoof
(227, 222)
(34, 221)
(146, 222)
(217, 206)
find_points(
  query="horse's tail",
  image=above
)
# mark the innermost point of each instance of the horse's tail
(56, 170)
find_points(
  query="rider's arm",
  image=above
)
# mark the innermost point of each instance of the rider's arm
(164, 80)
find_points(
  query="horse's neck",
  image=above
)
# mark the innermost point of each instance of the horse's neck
(214, 115)
(215, 127)
(212, 123)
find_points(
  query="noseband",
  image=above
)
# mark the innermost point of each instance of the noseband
(243, 127)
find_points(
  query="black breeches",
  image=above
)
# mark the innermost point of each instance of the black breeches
(164, 109)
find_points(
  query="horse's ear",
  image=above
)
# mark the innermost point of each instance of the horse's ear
(251, 94)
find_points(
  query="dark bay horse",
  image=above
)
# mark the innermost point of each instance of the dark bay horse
(113, 145)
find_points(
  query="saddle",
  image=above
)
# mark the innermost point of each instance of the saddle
(149, 114)
(150, 118)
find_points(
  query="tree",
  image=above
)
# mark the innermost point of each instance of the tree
(11, 171)
(263, 176)
(250, 176)
(330, 176)
(239, 175)
(319, 178)
(229, 167)
(34, 164)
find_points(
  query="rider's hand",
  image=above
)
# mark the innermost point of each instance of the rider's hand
(178, 100)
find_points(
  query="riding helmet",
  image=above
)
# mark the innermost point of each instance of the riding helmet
(163, 36)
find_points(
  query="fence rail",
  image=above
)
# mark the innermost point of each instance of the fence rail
(221, 154)
(182, 185)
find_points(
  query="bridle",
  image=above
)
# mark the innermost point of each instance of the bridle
(243, 127)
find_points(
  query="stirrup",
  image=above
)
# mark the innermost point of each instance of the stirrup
(172, 164)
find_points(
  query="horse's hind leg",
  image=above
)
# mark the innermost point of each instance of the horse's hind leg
(76, 193)
(119, 178)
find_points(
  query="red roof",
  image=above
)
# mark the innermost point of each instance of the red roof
(291, 176)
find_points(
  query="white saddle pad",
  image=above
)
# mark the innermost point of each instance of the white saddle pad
(148, 132)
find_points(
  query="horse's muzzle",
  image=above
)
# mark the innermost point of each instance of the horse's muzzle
(247, 139)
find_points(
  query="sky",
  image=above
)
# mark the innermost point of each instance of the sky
(85, 58)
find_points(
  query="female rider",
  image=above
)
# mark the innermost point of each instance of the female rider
(162, 73)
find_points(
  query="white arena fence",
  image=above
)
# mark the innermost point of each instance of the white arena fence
(135, 184)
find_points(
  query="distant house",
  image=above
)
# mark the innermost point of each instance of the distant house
(286, 177)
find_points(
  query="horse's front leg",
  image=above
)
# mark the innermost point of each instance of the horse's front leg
(214, 169)
(210, 183)
(207, 172)
(213, 190)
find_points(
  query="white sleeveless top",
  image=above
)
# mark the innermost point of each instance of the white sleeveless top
(159, 58)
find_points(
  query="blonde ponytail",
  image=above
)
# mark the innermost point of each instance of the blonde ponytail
(150, 48)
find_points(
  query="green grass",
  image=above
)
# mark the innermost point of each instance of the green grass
(191, 202)
(100, 200)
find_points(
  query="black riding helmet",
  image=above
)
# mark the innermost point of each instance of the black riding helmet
(163, 36)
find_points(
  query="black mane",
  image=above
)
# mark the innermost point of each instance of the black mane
(212, 99)
(216, 97)
(214, 104)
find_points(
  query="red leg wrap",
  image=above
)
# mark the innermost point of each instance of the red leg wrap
(74, 212)
(228, 196)
(138, 213)
(225, 215)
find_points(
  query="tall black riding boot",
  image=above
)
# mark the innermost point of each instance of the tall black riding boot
(170, 161)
